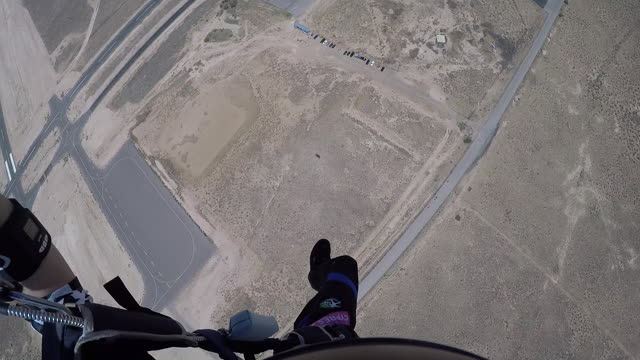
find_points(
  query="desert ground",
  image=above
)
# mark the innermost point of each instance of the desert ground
(270, 140)
(19, 341)
(536, 256)
(486, 39)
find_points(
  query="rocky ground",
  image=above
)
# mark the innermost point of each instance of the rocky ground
(485, 42)
(536, 256)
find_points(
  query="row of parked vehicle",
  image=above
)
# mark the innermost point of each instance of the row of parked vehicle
(324, 41)
(367, 61)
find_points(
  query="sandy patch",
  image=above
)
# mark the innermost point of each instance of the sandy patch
(214, 118)
(112, 130)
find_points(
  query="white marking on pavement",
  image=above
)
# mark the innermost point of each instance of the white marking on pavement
(106, 52)
(8, 171)
(29, 154)
(13, 164)
(142, 13)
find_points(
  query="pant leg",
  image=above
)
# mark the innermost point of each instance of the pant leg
(337, 297)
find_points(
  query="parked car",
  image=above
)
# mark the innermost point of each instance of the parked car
(315, 37)
(323, 40)
(367, 62)
(382, 69)
(351, 54)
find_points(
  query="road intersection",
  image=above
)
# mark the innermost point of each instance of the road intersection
(150, 233)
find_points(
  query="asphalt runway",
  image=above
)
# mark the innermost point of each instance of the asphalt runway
(9, 166)
(4, 146)
(167, 247)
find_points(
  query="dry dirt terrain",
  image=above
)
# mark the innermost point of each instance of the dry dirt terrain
(19, 340)
(486, 40)
(537, 255)
(271, 141)
(106, 19)
(62, 26)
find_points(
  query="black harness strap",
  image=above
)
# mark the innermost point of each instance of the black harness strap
(119, 292)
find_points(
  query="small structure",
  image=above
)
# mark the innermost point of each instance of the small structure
(302, 28)
(441, 39)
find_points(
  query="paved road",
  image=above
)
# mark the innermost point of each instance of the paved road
(5, 147)
(111, 47)
(58, 107)
(9, 165)
(473, 153)
(294, 7)
(165, 244)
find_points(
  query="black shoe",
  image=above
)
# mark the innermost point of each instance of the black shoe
(320, 255)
